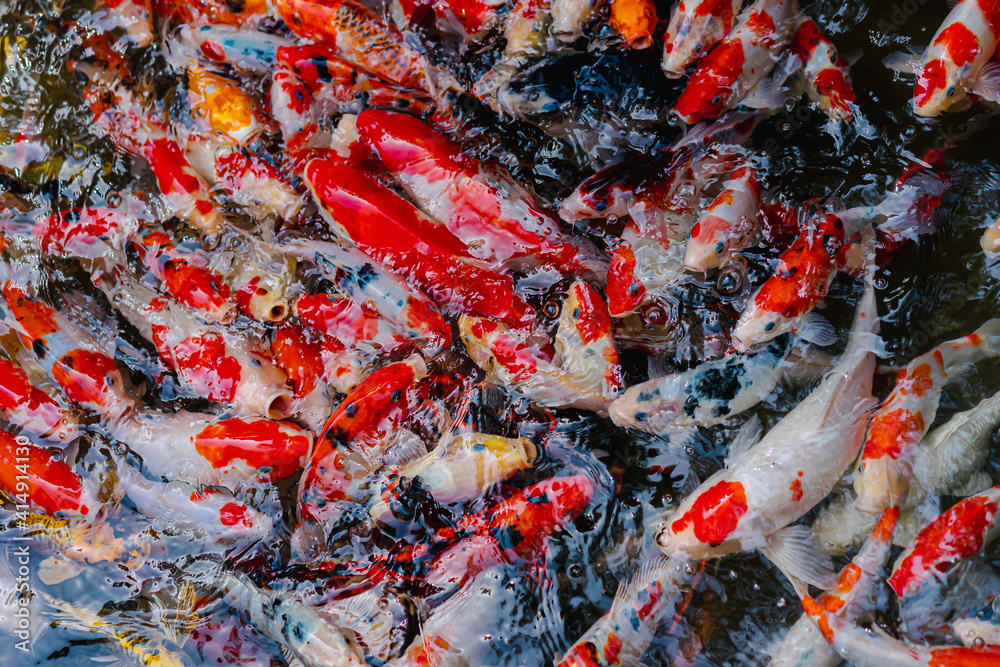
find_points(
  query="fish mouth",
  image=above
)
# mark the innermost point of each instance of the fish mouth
(278, 405)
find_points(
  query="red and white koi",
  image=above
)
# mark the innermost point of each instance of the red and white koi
(212, 362)
(728, 225)
(299, 355)
(213, 511)
(906, 414)
(496, 218)
(251, 51)
(735, 69)
(394, 232)
(800, 281)
(27, 407)
(411, 313)
(581, 372)
(826, 72)
(957, 62)
(695, 27)
(88, 233)
(210, 450)
(70, 355)
(750, 503)
(658, 591)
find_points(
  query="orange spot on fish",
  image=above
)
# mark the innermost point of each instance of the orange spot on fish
(893, 434)
(961, 43)
(796, 489)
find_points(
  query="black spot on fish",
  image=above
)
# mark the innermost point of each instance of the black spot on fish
(365, 275)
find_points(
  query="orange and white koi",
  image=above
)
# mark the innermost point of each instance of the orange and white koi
(728, 224)
(800, 281)
(957, 62)
(394, 232)
(25, 406)
(260, 278)
(497, 219)
(358, 35)
(38, 478)
(695, 27)
(215, 512)
(411, 313)
(750, 503)
(634, 21)
(210, 450)
(852, 596)
(990, 241)
(77, 362)
(826, 72)
(659, 590)
(223, 106)
(735, 69)
(906, 414)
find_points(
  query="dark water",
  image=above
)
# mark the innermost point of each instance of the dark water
(932, 291)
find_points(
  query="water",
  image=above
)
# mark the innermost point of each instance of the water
(611, 104)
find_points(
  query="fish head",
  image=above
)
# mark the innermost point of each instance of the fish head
(584, 341)
(710, 87)
(710, 245)
(689, 36)
(635, 20)
(404, 142)
(871, 484)
(263, 296)
(937, 88)
(756, 325)
(548, 506)
(707, 522)
(92, 379)
(625, 291)
(649, 409)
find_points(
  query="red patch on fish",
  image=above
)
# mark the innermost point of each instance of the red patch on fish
(958, 533)
(260, 443)
(796, 489)
(203, 363)
(51, 485)
(298, 356)
(36, 318)
(961, 43)
(592, 321)
(932, 77)
(87, 377)
(762, 26)
(625, 292)
(960, 656)
(715, 513)
(893, 434)
(612, 648)
(235, 513)
(711, 85)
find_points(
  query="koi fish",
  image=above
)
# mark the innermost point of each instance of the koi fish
(733, 72)
(88, 233)
(497, 219)
(659, 590)
(299, 356)
(634, 21)
(247, 50)
(505, 354)
(741, 507)
(359, 35)
(352, 440)
(70, 355)
(957, 62)
(960, 532)
(875, 648)
(706, 395)
(221, 104)
(363, 210)
(695, 27)
(248, 13)
(728, 225)
(851, 597)
(288, 620)
(362, 280)
(260, 280)
(525, 32)
(213, 511)
(133, 16)
(460, 468)
(135, 641)
(990, 242)
(906, 414)
(949, 461)
(826, 72)
(209, 450)
(800, 281)
(571, 17)
(25, 406)
(584, 342)
(212, 362)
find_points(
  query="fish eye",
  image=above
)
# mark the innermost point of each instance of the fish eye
(951, 91)
(655, 316)
(717, 99)
(551, 309)
(729, 281)
(396, 396)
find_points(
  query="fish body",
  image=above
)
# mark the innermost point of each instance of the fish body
(584, 341)
(706, 395)
(224, 106)
(85, 233)
(133, 16)
(401, 237)
(695, 27)
(247, 50)
(34, 476)
(906, 414)
(27, 407)
(728, 224)
(955, 63)
(791, 469)
(803, 276)
(730, 72)
(826, 72)
(498, 220)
